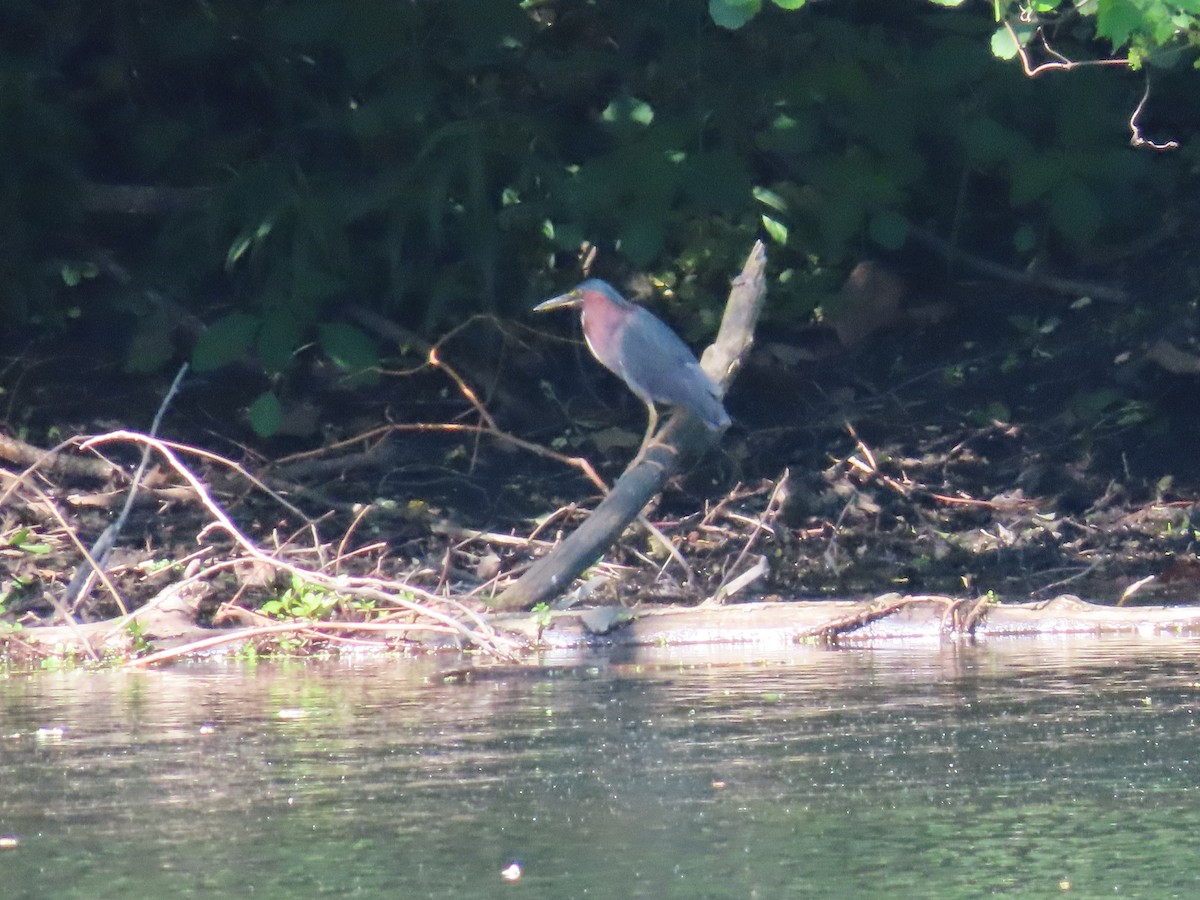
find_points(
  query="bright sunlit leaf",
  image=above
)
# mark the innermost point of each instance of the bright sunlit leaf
(776, 229)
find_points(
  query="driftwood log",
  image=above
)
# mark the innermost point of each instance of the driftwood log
(889, 620)
(683, 440)
(884, 621)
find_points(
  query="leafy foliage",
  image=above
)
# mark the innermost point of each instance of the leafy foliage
(1141, 28)
(431, 159)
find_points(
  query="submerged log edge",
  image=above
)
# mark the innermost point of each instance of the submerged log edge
(683, 439)
(890, 619)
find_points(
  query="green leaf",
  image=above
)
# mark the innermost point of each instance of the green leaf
(224, 341)
(350, 348)
(787, 134)
(790, 4)
(888, 229)
(245, 241)
(776, 229)
(770, 198)
(266, 414)
(733, 14)
(278, 339)
(73, 274)
(1003, 45)
(628, 109)
(1092, 405)
(993, 412)
(1118, 19)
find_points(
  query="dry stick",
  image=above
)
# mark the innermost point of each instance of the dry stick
(63, 609)
(406, 340)
(723, 591)
(1066, 286)
(890, 604)
(342, 544)
(1135, 130)
(20, 452)
(451, 530)
(89, 559)
(563, 512)
(575, 462)
(51, 459)
(975, 616)
(242, 472)
(463, 388)
(685, 435)
(94, 562)
(485, 635)
(378, 546)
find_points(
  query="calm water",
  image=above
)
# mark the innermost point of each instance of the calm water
(1020, 769)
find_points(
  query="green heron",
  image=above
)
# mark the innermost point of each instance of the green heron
(639, 349)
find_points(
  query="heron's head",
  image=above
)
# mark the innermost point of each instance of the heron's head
(591, 293)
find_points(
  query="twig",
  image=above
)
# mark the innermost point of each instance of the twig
(63, 609)
(884, 607)
(291, 463)
(95, 561)
(1066, 286)
(87, 555)
(1059, 62)
(726, 588)
(1135, 130)
(35, 458)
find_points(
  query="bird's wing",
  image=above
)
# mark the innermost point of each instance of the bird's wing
(659, 366)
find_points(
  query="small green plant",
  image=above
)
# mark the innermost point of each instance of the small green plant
(137, 636)
(27, 541)
(9, 589)
(154, 566)
(542, 614)
(302, 601)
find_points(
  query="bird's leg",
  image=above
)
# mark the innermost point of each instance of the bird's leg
(651, 425)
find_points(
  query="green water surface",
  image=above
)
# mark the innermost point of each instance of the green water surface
(1022, 769)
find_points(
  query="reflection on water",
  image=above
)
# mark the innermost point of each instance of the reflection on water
(1030, 768)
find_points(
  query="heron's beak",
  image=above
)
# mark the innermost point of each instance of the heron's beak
(570, 298)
